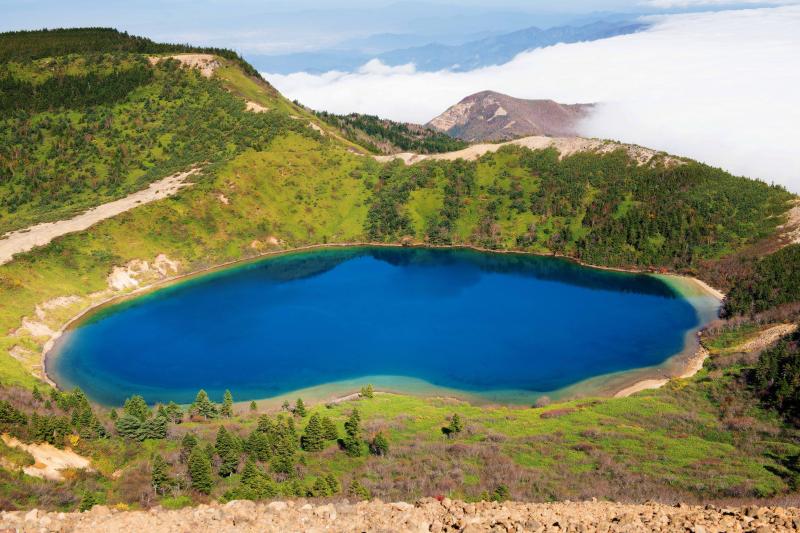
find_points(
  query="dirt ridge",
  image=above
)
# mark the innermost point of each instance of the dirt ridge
(425, 515)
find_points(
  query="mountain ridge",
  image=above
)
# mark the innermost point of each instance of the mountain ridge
(493, 116)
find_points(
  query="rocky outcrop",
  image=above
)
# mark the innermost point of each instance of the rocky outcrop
(491, 116)
(425, 515)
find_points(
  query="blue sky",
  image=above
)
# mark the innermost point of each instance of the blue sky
(281, 26)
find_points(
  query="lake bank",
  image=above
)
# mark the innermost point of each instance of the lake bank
(604, 384)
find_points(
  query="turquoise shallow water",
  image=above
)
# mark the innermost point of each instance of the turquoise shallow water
(458, 319)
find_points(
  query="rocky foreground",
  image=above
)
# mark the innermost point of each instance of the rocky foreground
(426, 515)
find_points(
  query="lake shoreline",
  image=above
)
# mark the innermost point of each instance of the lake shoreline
(49, 351)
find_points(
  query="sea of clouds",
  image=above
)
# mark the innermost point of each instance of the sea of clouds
(718, 87)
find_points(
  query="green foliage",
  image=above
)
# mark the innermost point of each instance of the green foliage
(500, 494)
(300, 408)
(88, 501)
(382, 135)
(773, 281)
(11, 415)
(174, 413)
(313, 439)
(455, 426)
(228, 451)
(159, 474)
(368, 391)
(188, 444)
(777, 377)
(27, 45)
(203, 406)
(200, 472)
(352, 439)
(253, 406)
(329, 431)
(357, 490)
(379, 445)
(227, 405)
(135, 406)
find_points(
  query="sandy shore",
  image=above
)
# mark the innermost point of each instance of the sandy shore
(26, 239)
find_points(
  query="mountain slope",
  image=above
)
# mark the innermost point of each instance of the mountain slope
(492, 116)
(436, 56)
(501, 49)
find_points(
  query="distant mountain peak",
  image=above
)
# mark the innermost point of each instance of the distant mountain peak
(493, 116)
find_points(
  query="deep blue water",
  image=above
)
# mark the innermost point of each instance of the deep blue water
(460, 319)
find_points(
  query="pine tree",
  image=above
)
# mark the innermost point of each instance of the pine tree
(368, 391)
(174, 412)
(352, 439)
(203, 406)
(320, 488)
(285, 406)
(258, 446)
(249, 472)
(283, 460)
(88, 501)
(379, 444)
(160, 474)
(37, 395)
(456, 425)
(136, 406)
(333, 484)
(357, 490)
(113, 415)
(155, 428)
(313, 439)
(128, 426)
(253, 406)
(329, 430)
(227, 405)
(188, 443)
(228, 453)
(200, 471)
(300, 408)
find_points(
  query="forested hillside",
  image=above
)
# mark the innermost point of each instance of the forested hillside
(383, 136)
(80, 129)
(604, 209)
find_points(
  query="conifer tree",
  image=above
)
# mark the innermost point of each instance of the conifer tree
(37, 395)
(188, 443)
(228, 452)
(300, 408)
(368, 391)
(456, 425)
(258, 446)
(113, 415)
(283, 460)
(329, 430)
(174, 412)
(128, 426)
(253, 406)
(88, 501)
(136, 406)
(203, 406)
(249, 472)
(352, 439)
(313, 439)
(200, 471)
(333, 484)
(379, 444)
(160, 474)
(227, 405)
(357, 490)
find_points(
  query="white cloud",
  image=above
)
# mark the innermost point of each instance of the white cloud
(718, 87)
(666, 4)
